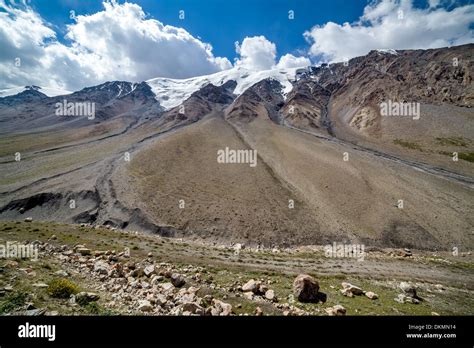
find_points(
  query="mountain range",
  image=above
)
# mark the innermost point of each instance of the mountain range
(331, 167)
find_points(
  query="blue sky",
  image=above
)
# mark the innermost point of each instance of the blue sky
(143, 39)
(221, 22)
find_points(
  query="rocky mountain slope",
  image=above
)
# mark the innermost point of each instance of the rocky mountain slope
(329, 167)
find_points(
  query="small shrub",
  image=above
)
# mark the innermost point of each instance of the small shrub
(62, 288)
(12, 302)
(467, 156)
(92, 308)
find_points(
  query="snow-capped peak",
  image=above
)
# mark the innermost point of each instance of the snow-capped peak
(50, 92)
(172, 92)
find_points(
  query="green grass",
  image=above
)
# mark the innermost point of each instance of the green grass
(452, 141)
(408, 144)
(466, 156)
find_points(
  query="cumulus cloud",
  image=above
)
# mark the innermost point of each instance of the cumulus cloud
(290, 61)
(117, 43)
(258, 53)
(395, 24)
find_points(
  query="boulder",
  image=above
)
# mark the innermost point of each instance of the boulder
(221, 308)
(192, 307)
(408, 288)
(167, 286)
(305, 288)
(177, 280)
(251, 285)
(101, 267)
(337, 310)
(145, 306)
(84, 298)
(371, 295)
(352, 289)
(270, 295)
(84, 251)
(402, 298)
(149, 270)
(61, 273)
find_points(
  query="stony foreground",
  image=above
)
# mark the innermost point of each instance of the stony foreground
(97, 270)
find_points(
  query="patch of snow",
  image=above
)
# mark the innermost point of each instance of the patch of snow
(50, 92)
(388, 51)
(172, 92)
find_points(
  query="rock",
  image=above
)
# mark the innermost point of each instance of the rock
(149, 270)
(337, 310)
(402, 298)
(167, 286)
(258, 312)
(29, 219)
(21, 210)
(33, 312)
(237, 248)
(160, 300)
(144, 306)
(37, 285)
(270, 295)
(61, 273)
(137, 272)
(409, 289)
(221, 308)
(84, 251)
(251, 285)
(177, 280)
(101, 267)
(248, 295)
(261, 289)
(84, 298)
(371, 295)
(349, 288)
(192, 307)
(305, 288)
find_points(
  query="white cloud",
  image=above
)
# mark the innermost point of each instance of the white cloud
(256, 53)
(118, 43)
(392, 24)
(290, 61)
